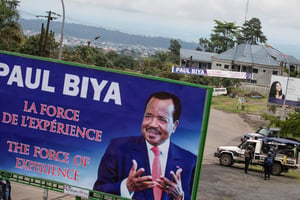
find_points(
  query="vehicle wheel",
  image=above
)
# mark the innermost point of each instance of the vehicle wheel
(226, 159)
(276, 168)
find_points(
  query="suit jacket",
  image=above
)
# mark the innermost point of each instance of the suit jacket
(117, 162)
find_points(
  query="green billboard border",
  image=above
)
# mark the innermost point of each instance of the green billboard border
(47, 184)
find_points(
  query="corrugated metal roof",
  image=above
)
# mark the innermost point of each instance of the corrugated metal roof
(197, 55)
(256, 54)
(293, 60)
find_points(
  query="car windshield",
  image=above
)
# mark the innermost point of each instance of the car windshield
(263, 131)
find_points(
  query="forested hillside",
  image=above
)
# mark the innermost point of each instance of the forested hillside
(89, 32)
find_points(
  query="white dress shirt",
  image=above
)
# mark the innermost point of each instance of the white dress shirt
(163, 157)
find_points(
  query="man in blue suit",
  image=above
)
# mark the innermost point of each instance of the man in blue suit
(128, 165)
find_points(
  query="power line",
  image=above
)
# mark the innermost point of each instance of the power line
(27, 13)
(44, 36)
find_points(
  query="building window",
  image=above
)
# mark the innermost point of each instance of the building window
(226, 66)
(275, 72)
(219, 65)
(253, 82)
(255, 70)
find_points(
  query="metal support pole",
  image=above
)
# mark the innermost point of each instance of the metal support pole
(282, 116)
(62, 31)
(45, 194)
(46, 36)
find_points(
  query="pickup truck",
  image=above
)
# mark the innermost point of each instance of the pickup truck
(261, 133)
(285, 153)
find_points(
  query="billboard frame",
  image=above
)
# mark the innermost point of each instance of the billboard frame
(58, 187)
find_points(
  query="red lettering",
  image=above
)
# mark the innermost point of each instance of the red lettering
(51, 154)
(10, 118)
(53, 112)
(31, 109)
(60, 113)
(43, 108)
(18, 147)
(48, 169)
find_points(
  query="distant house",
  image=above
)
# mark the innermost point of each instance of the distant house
(197, 59)
(261, 60)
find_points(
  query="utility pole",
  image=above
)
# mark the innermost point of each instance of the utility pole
(246, 11)
(62, 31)
(41, 40)
(44, 36)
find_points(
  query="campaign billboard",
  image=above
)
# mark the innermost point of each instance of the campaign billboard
(211, 72)
(58, 119)
(286, 89)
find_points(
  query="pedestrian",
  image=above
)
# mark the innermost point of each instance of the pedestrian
(248, 157)
(5, 190)
(268, 163)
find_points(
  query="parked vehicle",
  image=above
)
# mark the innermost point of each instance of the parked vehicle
(285, 153)
(219, 91)
(261, 133)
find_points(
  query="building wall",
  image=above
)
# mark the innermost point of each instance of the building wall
(221, 64)
(195, 64)
(261, 73)
(264, 74)
(264, 90)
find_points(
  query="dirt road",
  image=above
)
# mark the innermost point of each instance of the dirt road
(216, 182)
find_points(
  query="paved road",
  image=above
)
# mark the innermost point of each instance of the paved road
(216, 182)
(231, 183)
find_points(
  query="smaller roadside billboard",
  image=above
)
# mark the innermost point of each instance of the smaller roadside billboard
(287, 88)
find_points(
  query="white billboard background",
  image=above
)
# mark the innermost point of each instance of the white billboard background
(293, 90)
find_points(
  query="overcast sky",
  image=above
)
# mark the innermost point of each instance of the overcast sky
(179, 19)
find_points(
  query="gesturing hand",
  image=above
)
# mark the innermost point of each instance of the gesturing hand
(136, 182)
(172, 188)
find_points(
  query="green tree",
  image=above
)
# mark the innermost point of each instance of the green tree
(112, 55)
(31, 46)
(150, 66)
(251, 32)
(81, 54)
(174, 51)
(161, 56)
(224, 36)
(11, 35)
(205, 44)
(102, 60)
(289, 127)
(125, 62)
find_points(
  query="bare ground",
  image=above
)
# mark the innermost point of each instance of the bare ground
(253, 119)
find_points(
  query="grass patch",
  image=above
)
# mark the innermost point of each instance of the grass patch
(293, 174)
(235, 105)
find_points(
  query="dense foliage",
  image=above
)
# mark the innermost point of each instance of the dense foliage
(226, 35)
(11, 35)
(289, 127)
